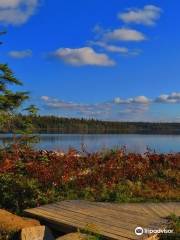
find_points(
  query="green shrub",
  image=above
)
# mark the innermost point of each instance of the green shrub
(19, 192)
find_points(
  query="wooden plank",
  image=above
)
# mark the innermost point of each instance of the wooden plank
(161, 212)
(97, 221)
(107, 207)
(133, 218)
(96, 217)
(135, 209)
(89, 219)
(121, 208)
(120, 224)
(84, 221)
(102, 212)
(113, 221)
(168, 207)
(75, 225)
(171, 208)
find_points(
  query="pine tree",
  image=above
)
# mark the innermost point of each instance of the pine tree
(9, 100)
(32, 110)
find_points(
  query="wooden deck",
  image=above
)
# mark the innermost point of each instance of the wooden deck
(111, 220)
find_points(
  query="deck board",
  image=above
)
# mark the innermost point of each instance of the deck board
(111, 220)
(100, 212)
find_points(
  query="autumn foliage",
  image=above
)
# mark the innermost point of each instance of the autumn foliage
(111, 175)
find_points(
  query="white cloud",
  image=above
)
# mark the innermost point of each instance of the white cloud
(163, 98)
(83, 56)
(45, 98)
(60, 104)
(16, 12)
(141, 100)
(135, 104)
(110, 48)
(137, 108)
(107, 110)
(9, 3)
(119, 100)
(138, 100)
(20, 54)
(125, 34)
(169, 98)
(53, 103)
(147, 15)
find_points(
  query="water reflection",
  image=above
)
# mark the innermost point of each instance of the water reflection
(94, 142)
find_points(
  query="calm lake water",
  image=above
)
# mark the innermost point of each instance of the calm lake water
(94, 142)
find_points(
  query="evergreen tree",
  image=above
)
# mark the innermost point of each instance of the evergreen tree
(9, 100)
(32, 110)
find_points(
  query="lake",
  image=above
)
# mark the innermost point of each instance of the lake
(93, 142)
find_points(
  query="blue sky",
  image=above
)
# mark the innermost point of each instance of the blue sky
(113, 59)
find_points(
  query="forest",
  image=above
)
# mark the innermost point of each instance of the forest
(53, 124)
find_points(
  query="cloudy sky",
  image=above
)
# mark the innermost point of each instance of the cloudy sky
(113, 59)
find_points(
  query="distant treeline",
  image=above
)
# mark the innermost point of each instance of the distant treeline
(53, 124)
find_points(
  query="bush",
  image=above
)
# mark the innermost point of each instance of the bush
(19, 192)
(29, 178)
